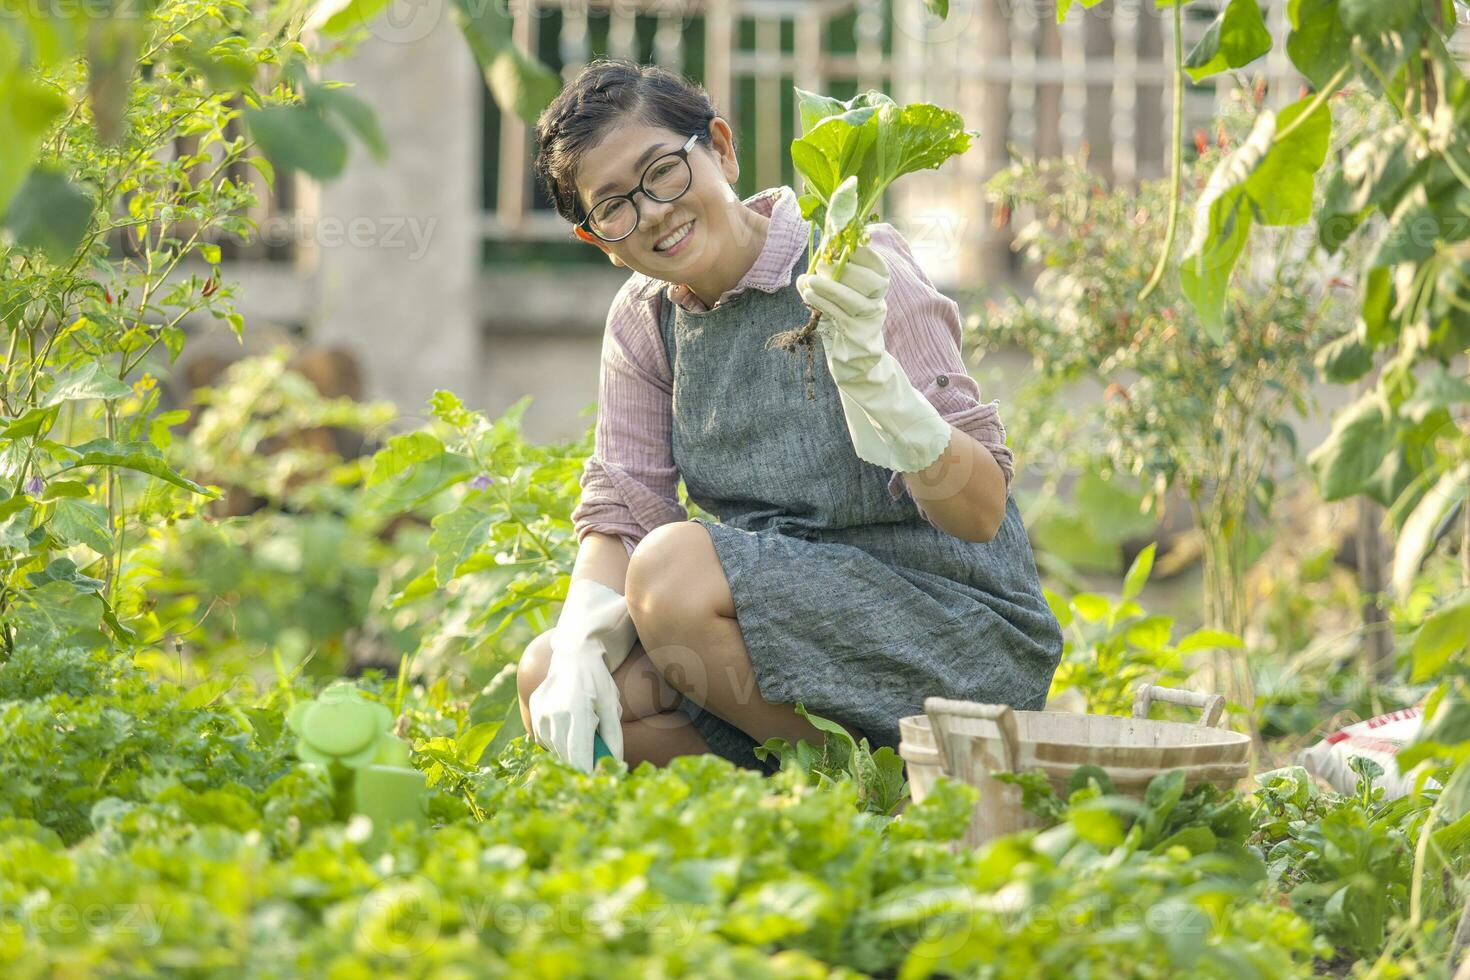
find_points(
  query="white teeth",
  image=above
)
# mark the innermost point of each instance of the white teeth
(673, 237)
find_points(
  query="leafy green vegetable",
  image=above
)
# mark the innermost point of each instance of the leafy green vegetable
(848, 154)
(882, 786)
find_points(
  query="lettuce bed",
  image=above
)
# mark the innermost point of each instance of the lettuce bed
(148, 829)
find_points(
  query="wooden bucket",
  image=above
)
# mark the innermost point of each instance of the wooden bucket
(975, 740)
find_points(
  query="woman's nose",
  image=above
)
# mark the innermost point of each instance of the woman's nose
(654, 215)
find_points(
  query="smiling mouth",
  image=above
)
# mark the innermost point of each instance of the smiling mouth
(675, 237)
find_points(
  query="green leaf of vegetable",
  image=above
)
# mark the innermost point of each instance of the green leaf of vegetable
(1362, 436)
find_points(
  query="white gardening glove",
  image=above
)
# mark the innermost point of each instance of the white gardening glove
(891, 423)
(592, 637)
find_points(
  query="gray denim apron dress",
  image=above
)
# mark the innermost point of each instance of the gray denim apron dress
(848, 600)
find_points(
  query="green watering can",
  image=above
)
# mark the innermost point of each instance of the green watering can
(351, 738)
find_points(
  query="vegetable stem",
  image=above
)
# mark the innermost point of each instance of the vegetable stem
(1176, 175)
(801, 336)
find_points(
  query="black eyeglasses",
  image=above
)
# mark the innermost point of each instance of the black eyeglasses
(666, 179)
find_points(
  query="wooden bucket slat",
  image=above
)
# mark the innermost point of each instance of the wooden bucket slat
(970, 741)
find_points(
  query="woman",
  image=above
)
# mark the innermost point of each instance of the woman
(867, 553)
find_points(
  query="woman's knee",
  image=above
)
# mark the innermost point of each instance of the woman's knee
(645, 586)
(673, 572)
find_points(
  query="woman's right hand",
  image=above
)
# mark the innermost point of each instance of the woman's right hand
(578, 696)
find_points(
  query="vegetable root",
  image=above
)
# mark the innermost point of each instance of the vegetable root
(799, 337)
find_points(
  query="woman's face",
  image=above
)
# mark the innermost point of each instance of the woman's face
(615, 165)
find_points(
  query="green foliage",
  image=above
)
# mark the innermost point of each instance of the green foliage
(1086, 532)
(193, 801)
(1180, 856)
(1180, 410)
(302, 579)
(881, 784)
(1269, 179)
(502, 544)
(127, 164)
(1236, 38)
(245, 867)
(520, 84)
(1110, 647)
(1345, 863)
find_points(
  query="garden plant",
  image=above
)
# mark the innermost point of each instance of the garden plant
(189, 786)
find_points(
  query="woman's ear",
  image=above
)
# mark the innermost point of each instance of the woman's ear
(722, 141)
(594, 240)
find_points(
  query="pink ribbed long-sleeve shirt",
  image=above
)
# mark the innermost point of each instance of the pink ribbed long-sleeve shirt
(630, 483)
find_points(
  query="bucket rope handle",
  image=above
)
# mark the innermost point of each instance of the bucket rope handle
(1211, 705)
(1000, 715)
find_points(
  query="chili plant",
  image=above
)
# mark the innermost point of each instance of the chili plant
(125, 162)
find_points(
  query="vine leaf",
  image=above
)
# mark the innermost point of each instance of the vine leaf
(521, 85)
(1236, 38)
(1268, 178)
(1375, 173)
(1417, 539)
(1362, 437)
(1318, 44)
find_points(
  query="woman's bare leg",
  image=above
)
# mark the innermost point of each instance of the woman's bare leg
(681, 604)
(654, 730)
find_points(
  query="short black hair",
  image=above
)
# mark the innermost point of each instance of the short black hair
(606, 92)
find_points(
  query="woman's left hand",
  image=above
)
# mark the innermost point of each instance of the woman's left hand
(891, 423)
